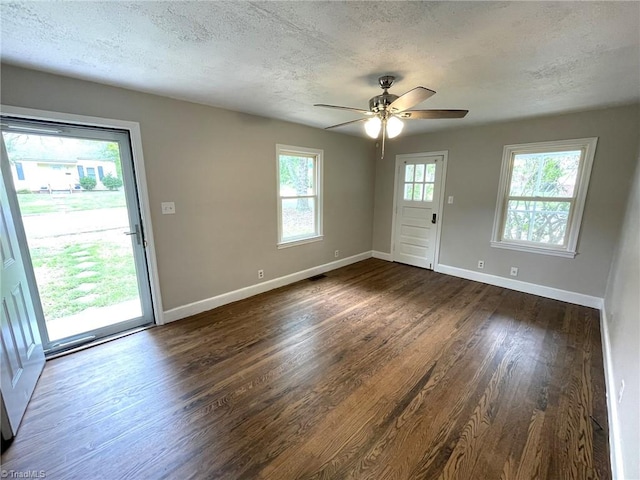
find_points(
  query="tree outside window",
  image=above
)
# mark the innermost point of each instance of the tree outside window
(542, 192)
(299, 194)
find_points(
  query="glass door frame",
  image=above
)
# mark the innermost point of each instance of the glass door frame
(136, 190)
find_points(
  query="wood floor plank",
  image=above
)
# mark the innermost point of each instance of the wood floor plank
(377, 371)
(414, 435)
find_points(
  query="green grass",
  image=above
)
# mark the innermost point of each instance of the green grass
(37, 203)
(57, 270)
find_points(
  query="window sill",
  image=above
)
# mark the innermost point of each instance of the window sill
(293, 243)
(532, 249)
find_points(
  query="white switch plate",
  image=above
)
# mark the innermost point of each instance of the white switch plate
(450, 199)
(168, 208)
(514, 271)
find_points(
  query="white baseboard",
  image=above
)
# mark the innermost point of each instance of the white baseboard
(615, 451)
(381, 255)
(543, 291)
(229, 297)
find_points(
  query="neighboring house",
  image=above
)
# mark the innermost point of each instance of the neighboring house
(42, 174)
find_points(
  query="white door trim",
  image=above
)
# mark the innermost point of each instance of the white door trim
(400, 159)
(141, 180)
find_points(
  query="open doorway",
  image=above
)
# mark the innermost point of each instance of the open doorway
(76, 189)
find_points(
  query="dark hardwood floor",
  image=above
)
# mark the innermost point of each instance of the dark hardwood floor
(378, 371)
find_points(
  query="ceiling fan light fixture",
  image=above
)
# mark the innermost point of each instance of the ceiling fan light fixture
(387, 111)
(373, 126)
(394, 127)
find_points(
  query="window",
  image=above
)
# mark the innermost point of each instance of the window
(91, 172)
(419, 181)
(100, 173)
(299, 195)
(19, 171)
(80, 171)
(541, 197)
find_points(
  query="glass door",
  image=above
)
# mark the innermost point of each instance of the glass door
(76, 189)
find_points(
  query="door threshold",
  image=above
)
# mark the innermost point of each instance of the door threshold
(99, 341)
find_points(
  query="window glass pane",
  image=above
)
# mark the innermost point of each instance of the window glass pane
(420, 173)
(298, 218)
(552, 174)
(428, 192)
(417, 192)
(542, 222)
(408, 191)
(296, 175)
(408, 173)
(431, 173)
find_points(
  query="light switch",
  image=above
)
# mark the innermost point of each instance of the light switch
(450, 199)
(168, 208)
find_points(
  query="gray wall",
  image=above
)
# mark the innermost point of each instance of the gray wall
(622, 305)
(475, 157)
(220, 169)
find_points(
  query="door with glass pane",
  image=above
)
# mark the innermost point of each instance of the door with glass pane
(76, 189)
(416, 217)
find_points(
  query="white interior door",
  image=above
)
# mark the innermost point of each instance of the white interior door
(22, 355)
(417, 206)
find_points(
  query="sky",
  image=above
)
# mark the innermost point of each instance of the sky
(21, 145)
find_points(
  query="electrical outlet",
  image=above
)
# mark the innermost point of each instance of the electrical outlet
(260, 274)
(336, 253)
(621, 391)
(514, 271)
(450, 199)
(481, 264)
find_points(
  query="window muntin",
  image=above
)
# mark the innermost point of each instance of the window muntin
(299, 195)
(541, 198)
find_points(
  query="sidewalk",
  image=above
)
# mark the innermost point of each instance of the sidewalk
(92, 318)
(68, 223)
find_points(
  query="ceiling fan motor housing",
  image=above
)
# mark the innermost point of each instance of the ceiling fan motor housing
(379, 103)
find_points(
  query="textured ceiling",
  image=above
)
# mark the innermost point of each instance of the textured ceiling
(500, 60)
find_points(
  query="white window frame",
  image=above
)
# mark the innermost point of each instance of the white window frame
(569, 248)
(317, 156)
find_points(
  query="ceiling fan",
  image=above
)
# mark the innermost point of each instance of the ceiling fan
(386, 111)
